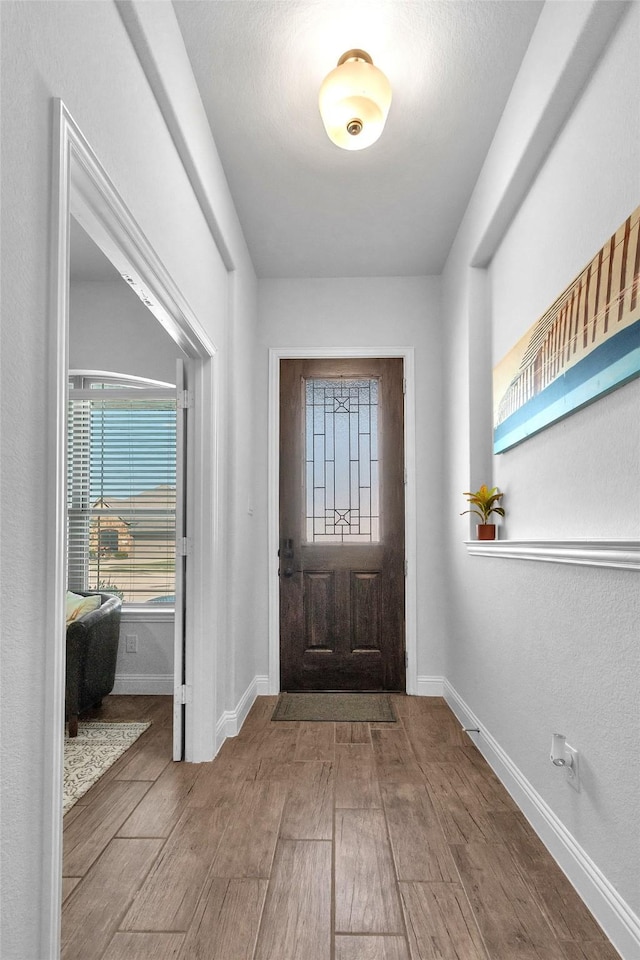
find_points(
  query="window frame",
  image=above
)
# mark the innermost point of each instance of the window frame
(81, 386)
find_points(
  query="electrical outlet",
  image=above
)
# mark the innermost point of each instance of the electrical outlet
(573, 770)
(131, 643)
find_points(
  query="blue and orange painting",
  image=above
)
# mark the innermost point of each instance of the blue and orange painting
(585, 345)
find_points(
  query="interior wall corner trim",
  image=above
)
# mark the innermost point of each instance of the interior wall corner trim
(183, 126)
(230, 721)
(430, 686)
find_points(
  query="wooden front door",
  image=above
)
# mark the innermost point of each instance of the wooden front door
(342, 525)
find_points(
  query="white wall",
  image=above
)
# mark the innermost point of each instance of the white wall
(364, 313)
(155, 34)
(534, 647)
(111, 329)
(150, 669)
(575, 214)
(82, 53)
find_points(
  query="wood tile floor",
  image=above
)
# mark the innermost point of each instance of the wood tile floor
(313, 841)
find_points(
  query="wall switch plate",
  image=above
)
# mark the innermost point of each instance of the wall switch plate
(131, 643)
(573, 771)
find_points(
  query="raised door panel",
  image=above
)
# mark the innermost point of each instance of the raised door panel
(319, 611)
(366, 611)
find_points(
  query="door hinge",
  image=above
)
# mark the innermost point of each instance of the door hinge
(405, 475)
(406, 660)
(184, 546)
(184, 400)
(406, 567)
(404, 385)
(183, 693)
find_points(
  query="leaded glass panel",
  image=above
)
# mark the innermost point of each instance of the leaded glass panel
(342, 461)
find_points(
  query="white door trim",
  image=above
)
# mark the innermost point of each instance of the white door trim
(80, 186)
(276, 354)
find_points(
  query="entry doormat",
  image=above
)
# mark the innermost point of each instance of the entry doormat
(92, 752)
(338, 707)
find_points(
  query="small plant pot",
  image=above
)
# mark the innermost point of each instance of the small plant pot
(486, 531)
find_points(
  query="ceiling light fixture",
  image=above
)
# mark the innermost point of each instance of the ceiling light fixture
(354, 101)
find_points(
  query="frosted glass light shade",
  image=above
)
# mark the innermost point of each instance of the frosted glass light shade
(354, 101)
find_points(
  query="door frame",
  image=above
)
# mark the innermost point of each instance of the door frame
(407, 354)
(81, 187)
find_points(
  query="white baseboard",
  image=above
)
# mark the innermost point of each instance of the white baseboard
(231, 721)
(614, 915)
(430, 686)
(143, 683)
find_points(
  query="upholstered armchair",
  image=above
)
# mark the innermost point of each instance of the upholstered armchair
(92, 650)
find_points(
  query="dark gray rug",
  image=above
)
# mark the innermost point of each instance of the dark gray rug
(338, 707)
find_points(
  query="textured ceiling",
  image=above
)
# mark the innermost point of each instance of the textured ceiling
(307, 207)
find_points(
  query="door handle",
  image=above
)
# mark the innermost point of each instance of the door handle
(286, 552)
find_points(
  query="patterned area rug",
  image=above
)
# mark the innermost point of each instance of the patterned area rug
(94, 750)
(338, 707)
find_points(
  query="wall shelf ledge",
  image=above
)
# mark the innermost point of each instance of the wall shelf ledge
(620, 554)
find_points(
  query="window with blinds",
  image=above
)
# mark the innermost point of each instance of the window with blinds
(121, 502)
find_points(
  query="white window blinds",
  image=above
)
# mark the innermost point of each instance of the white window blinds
(122, 491)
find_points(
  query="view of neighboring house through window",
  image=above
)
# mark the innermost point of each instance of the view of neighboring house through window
(121, 501)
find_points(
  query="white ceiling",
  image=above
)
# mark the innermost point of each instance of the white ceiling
(310, 209)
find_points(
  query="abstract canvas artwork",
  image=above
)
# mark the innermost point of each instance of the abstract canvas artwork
(585, 345)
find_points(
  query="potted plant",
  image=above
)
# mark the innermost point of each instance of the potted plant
(484, 503)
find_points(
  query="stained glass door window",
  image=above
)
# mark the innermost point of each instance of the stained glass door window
(342, 461)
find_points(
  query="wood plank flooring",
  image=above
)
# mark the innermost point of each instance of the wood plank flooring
(313, 841)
